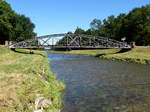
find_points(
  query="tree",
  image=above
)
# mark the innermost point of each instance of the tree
(23, 29)
(14, 27)
(138, 25)
(95, 24)
(5, 26)
(79, 31)
(135, 26)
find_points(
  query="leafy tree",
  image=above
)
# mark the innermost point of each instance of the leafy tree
(95, 24)
(79, 31)
(23, 29)
(138, 25)
(5, 26)
(135, 26)
(14, 27)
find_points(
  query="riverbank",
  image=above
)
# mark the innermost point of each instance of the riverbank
(137, 55)
(25, 77)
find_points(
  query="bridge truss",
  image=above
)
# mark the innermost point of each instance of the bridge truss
(70, 41)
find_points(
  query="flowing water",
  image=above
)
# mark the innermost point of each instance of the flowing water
(95, 85)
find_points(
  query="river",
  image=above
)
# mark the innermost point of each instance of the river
(95, 85)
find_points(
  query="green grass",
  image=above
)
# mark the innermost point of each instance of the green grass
(21, 82)
(137, 55)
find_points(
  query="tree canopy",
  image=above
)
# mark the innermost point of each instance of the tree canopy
(13, 26)
(135, 26)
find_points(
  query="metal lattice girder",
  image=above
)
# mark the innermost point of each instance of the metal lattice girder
(72, 41)
(50, 36)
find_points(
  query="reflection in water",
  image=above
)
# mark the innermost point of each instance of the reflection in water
(95, 85)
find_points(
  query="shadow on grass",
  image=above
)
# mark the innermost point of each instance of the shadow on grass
(29, 53)
(121, 51)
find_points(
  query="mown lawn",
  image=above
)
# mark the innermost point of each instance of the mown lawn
(23, 77)
(140, 54)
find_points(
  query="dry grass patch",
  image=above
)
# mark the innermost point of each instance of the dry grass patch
(8, 90)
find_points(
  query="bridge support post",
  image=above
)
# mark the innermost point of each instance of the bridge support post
(8, 43)
(132, 44)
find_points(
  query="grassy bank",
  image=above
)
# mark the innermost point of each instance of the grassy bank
(137, 55)
(23, 77)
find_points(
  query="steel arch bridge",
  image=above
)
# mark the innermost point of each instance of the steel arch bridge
(70, 41)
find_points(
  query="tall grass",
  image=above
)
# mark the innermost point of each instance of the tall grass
(25, 76)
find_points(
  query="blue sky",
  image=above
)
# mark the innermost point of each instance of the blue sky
(61, 16)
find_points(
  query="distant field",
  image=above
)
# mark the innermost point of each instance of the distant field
(21, 81)
(138, 55)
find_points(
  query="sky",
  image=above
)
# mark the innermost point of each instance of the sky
(62, 16)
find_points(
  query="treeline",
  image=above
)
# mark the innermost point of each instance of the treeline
(13, 26)
(134, 26)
